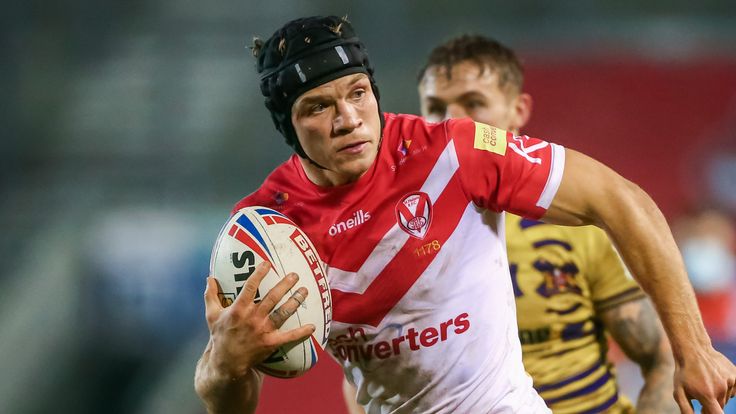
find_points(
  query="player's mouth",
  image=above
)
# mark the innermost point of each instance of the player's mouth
(354, 148)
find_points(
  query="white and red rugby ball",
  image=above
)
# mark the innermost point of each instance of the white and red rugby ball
(257, 234)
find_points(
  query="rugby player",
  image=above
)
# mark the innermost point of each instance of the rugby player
(570, 286)
(423, 310)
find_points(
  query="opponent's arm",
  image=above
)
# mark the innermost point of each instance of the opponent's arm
(241, 336)
(591, 193)
(636, 329)
(348, 393)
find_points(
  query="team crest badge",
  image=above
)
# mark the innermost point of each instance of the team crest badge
(414, 214)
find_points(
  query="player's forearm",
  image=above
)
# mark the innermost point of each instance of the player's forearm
(656, 394)
(657, 368)
(223, 394)
(645, 242)
(637, 331)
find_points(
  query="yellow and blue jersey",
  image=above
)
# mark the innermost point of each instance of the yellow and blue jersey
(562, 277)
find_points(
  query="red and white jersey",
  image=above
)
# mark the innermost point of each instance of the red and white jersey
(423, 307)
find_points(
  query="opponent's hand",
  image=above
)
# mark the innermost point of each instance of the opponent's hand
(246, 333)
(709, 378)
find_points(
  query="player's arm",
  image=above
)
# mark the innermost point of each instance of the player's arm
(222, 393)
(348, 393)
(591, 193)
(636, 329)
(241, 336)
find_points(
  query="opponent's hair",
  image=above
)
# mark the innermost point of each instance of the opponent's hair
(487, 53)
(301, 55)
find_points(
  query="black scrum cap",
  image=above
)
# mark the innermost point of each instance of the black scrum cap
(303, 54)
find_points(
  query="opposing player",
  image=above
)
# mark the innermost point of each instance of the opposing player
(423, 311)
(569, 283)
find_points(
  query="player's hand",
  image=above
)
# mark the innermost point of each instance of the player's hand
(246, 333)
(708, 378)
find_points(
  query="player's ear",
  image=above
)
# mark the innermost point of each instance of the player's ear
(522, 108)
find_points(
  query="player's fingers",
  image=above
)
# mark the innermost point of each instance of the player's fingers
(283, 312)
(294, 335)
(212, 304)
(731, 389)
(711, 406)
(250, 288)
(686, 407)
(276, 293)
(723, 395)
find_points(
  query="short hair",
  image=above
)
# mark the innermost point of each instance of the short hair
(487, 53)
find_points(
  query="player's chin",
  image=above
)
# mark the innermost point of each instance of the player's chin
(354, 167)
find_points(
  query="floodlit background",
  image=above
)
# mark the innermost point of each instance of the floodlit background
(129, 129)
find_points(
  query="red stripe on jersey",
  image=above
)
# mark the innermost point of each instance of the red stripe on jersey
(268, 220)
(404, 269)
(233, 229)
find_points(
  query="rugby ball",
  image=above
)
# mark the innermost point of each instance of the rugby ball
(256, 234)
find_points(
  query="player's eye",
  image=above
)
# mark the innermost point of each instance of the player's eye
(438, 110)
(435, 113)
(317, 108)
(359, 93)
(475, 104)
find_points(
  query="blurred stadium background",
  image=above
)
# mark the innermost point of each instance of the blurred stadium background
(131, 127)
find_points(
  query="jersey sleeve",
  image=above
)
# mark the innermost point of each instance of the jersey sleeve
(503, 172)
(610, 281)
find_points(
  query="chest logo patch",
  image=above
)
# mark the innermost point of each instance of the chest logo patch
(414, 214)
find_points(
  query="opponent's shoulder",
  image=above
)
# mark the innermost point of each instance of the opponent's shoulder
(517, 226)
(518, 223)
(536, 228)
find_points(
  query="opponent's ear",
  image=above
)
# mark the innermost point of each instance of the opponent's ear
(522, 111)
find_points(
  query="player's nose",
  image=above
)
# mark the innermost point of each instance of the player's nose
(346, 118)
